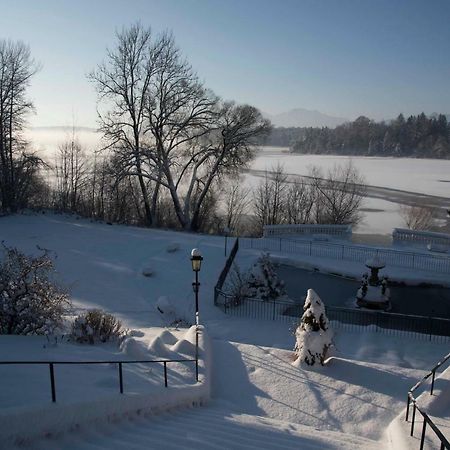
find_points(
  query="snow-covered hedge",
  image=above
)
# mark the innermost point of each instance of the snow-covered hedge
(30, 300)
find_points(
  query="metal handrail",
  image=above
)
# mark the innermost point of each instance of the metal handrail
(426, 419)
(51, 365)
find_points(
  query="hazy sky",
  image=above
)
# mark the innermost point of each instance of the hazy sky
(341, 57)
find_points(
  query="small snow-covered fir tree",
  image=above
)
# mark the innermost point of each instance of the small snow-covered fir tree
(263, 281)
(314, 337)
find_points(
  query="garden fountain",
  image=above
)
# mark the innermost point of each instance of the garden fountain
(374, 293)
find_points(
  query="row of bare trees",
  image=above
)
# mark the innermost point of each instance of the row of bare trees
(171, 154)
(333, 197)
(166, 130)
(169, 141)
(19, 168)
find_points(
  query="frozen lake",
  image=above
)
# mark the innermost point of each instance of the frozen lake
(424, 176)
(420, 176)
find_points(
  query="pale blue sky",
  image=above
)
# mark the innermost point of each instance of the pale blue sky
(342, 57)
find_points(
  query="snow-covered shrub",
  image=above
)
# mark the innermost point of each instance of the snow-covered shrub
(237, 285)
(96, 326)
(313, 335)
(30, 300)
(263, 281)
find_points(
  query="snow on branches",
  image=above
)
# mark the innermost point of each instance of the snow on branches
(263, 281)
(313, 335)
(30, 301)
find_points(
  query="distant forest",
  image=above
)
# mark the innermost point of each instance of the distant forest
(417, 136)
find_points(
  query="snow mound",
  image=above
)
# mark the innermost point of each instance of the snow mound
(173, 247)
(191, 333)
(184, 347)
(168, 338)
(164, 306)
(158, 348)
(136, 333)
(134, 349)
(148, 272)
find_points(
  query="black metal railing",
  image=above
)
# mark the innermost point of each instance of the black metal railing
(51, 365)
(223, 275)
(348, 252)
(426, 419)
(430, 328)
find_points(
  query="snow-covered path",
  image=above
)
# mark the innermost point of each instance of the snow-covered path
(212, 427)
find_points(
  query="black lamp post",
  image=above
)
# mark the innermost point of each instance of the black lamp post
(196, 260)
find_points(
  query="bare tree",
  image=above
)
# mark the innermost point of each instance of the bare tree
(71, 171)
(237, 202)
(299, 202)
(417, 217)
(167, 128)
(16, 69)
(122, 83)
(230, 148)
(338, 194)
(270, 198)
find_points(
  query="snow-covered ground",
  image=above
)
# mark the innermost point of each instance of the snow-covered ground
(259, 400)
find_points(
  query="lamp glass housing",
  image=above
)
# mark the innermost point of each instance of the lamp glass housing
(196, 263)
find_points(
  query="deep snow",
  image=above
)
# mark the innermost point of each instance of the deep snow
(256, 392)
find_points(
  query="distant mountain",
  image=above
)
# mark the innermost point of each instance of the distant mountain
(301, 117)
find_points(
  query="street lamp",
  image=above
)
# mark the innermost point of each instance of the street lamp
(196, 260)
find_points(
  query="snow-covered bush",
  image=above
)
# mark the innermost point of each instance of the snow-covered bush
(313, 335)
(30, 300)
(263, 281)
(237, 285)
(96, 326)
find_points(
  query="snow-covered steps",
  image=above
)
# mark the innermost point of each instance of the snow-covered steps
(437, 406)
(213, 427)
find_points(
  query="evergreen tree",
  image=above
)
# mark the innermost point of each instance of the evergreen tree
(263, 281)
(313, 335)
